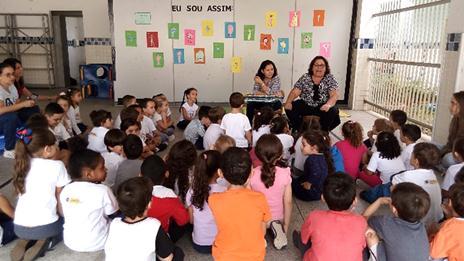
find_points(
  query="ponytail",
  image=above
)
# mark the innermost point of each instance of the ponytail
(322, 142)
(69, 93)
(269, 150)
(263, 116)
(353, 132)
(186, 92)
(206, 168)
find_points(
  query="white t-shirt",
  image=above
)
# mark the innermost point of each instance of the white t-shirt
(74, 116)
(213, 132)
(117, 122)
(191, 110)
(450, 175)
(236, 125)
(136, 241)
(264, 129)
(397, 134)
(406, 156)
(8, 96)
(37, 206)
(148, 127)
(386, 167)
(300, 158)
(112, 161)
(97, 139)
(287, 143)
(426, 179)
(60, 132)
(86, 207)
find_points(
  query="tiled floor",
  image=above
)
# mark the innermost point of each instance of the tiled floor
(300, 209)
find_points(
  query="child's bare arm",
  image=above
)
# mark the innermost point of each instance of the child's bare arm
(375, 206)
(190, 210)
(59, 208)
(287, 207)
(185, 114)
(6, 207)
(248, 136)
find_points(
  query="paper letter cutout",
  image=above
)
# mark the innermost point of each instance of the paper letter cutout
(158, 60)
(318, 17)
(229, 30)
(265, 42)
(189, 37)
(179, 57)
(173, 31)
(142, 18)
(294, 19)
(306, 40)
(325, 49)
(236, 64)
(271, 19)
(218, 50)
(152, 40)
(131, 38)
(283, 45)
(249, 32)
(207, 27)
(199, 55)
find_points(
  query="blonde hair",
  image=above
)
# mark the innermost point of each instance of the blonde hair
(223, 143)
(159, 100)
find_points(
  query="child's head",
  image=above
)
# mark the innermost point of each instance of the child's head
(76, 143)
(148, 107)
(388, 146)
(236, 166)
(203, 112)
(269, 151)
(314, 142)
(263, 116)
(398, 118)
(102, 118)
(131, 126)
(410, 133)
(155, 169)
(279, 125)
(133, 147)
(410, 202)
(267, 69)
(457, 104)
(64, 102)
(206, 172)
(114, 140)
(223, 143)
(236, 100)
(87, 165)
(215, 115)
(75, 96)
(54, 113)
(339, 191)
(458, 149)
(134, 197)
(425, 156)
(128, 100)
(352, 131)
(37, 143)
(459, 178)
(190, 95)
(161, 103)
(310, 123)
(134, 111)
(37, 121)
(382, 125)
(456, 194)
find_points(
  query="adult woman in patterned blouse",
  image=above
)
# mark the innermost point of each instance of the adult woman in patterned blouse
(318, 91)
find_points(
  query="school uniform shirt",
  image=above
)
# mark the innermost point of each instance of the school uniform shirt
(74, 116)
(287, 142)
(60, 132)
(386, 167)
(426, 179)
(191, 111)
(128, 168)
(448, 242)
(112, 162)
(264, 129)
(213, 132)
(142, 240)
(37, 206)
(406, 155)
(236, 125)
(86, 207)
(397, 134)
(450, 175)
(97, 139)
(8, 96)
(147, 127)
(194, 130)
(300, 158)
(167, 207)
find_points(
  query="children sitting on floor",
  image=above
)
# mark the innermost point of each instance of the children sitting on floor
(102, 122)
(188, 108)
(236, 124)
(410, 134)
(262, 122)
(195, 130)
(398, 119)
(214, 130)
(129, 167)
(127, 100)
(54, 114)
(114, 156)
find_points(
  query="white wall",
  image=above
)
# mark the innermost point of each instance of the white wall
(76, 54)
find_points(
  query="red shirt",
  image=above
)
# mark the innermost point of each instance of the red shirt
(165, 205)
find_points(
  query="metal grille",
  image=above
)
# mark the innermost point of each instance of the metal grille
(405, 61)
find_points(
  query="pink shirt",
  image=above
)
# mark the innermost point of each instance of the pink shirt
(274, 194)
(334, 235)
(351, 156)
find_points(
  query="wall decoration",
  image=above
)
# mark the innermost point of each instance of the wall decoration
(306, 40)
(283, 44)
(229, 30)
(294, 19)
(249, 32)
(325, 49)
(271, 19)
(318, 17)
(152, 40)
(131, 38)
(265, 42)
(199, 55)
(218, 50)
(173, 31)
(179, 57)
(189, 37)
(142, 18)
(158, 60)
(207, 27)
(236, 64)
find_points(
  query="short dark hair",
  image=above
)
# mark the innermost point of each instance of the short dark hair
(144, 102)
(456, 194)
(236, 165)
(278, 125)
(399, 116)
(126, 99)
(411, 201)
(133, 147)
(53, 108)
(458, 146)
(236, 100)
(99, 117)
(82, 159)
(133, 196)
(387, 145)
(203, 112)
(37, 121)
(155, 169)
(427, 154)
(216, 114)
(130, 112)
(263, 66)
(5, 65)
(125, 124)
(411, 131)
(114, 137)
(459, 178)
(339, 191)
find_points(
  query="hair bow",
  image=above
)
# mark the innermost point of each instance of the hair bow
(24, 134)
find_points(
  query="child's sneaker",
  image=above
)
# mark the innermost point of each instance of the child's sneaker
(9, 154)
(18, 251)
(37, 250)
(280, 238)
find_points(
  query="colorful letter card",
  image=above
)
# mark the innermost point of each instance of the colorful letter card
(152, 40)
(207, 27)
(189, 37)
(229, 30)
(158, 60)
(236, 64)
(218, 50)
(131, 38)
(199, 55)
(283, 45)
(179, 57)
(306, 40)
(265, 42)
(173, 31)
(325, 49)
(294, 19)
(318, 17)
(271, 19)
(249, 32)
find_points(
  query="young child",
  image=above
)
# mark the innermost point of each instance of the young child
(223, 143)
(448, 242)
(134, 198)
(148, 110)
(410, 134)
(114, 156)
(214, 130)
(451, 172)
(130, 126)
(86, 203)
(337, 233)
(240, 233)
(195, 130)
(235, 124)
(403, 235)
(425, 157)
(130, 167)
(317, 167)
(387, 162)
(75, 98)
(262, 123)
(337, 157)
(127, 100)
(398, 119)
(54, 113)
(188, 108)
(162, 119)
(180, 161)
(64, 102)
(204, 184)
(165, 205)
(6, 221)
(280, 128)
(102, 122)
(310, 123)
(38, 181)
(380, 125)
(274, 181)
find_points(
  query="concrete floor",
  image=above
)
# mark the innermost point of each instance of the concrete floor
(300, 209)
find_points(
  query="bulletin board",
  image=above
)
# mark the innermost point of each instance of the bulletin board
(217, 46)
